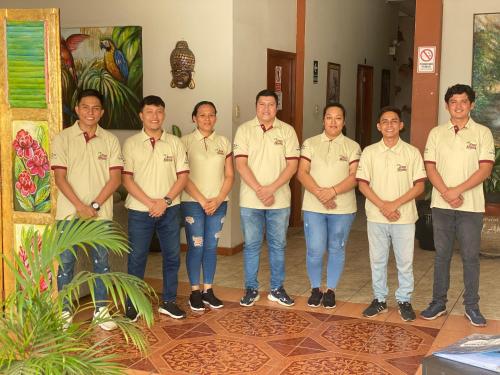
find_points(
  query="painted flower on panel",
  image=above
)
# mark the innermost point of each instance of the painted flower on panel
(24, 144)
(44, 285)
(38, 164)
(25, 184)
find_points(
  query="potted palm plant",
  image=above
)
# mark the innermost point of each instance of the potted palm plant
(36, 339)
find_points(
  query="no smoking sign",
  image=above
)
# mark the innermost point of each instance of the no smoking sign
(426, 59)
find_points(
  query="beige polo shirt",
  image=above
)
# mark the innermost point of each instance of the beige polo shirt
(267, 152)
(154, 165)
(87, 162)
(207, 159)
(457, 156)
(330, 160)
(391, 172)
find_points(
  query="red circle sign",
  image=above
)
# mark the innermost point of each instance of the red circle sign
(426, 55)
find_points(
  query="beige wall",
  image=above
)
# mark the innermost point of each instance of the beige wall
(456, 55)
(346, 33)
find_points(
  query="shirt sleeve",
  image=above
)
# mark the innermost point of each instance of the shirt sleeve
(240, 144)
(418, 167)
(292, 148)
(430, 147)
(487, 147)
(363, 173)
(227, 148)
(181, 159)
(306, 151)
(58, 154)
(116, 157)
(128, 162)
(355, 153)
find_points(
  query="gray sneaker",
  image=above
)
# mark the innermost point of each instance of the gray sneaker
(433, 311)
(476, 318)
(251, 296)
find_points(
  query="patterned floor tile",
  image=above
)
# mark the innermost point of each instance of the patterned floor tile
(408, 365)
(188, 330)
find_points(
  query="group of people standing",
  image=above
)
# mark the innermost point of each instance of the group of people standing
(170, 179)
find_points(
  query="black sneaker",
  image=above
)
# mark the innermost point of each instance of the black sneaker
(211, 300)
(406, 311)
(251, 296)
(131, 313)
(375, 308)
(315, 299)
(433, 311)
(171, 309)
(195, 301)
(279, 295)
(329, 299)
(476, 318)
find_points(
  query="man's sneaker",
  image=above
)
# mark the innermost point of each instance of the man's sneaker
(67, 319)
(131, 313)
(375, 308)
(406, 311)
(104, 320)
(279, 295)
(211, 300)
(476, 318)
(171, 309)
(251, 296)
(433, 311)
(195, 301)
(329, 299)
(315, 299)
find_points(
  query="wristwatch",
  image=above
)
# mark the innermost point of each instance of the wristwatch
(96, 206)
(168, 201)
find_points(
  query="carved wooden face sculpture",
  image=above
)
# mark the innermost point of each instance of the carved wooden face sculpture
(182, 64)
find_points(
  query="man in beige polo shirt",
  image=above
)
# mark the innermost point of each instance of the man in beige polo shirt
(391, 175)
(87, 164)
(267, 152)
(155, 173)
(459, 156)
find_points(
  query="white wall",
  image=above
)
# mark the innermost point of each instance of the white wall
(346, 33)
(456, 43)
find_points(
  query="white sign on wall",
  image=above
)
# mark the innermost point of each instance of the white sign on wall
(426, 59)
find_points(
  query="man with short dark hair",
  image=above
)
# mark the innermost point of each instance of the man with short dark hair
(459, 156)
(155, 173)
(391, 175)
(87, 164)
(267, 153)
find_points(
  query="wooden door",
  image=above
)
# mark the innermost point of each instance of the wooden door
(364, 100)
(281, 79)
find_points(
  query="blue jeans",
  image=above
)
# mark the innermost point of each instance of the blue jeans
(326, 232)
(100, 264)
(402, 236)
(140, 232)
(466, 227)
(202, 237)
(275, 223)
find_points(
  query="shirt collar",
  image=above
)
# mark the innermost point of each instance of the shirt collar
(276, 123)
(470, 123)
(337, 139)
(199, 136)
(77, 131)
(145, 137)
(396, 148)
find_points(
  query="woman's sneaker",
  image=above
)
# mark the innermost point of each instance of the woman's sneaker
(315, 299)
(251, 296)
(279, 295)
(211, 300)
(329, 299)
(196, 301)
(171, 309)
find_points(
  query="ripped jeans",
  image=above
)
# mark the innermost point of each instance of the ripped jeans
(100, 264)
(326, 232)
(202, 237)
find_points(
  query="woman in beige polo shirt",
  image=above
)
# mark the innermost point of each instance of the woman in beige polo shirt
(204, 201)
(327, 169)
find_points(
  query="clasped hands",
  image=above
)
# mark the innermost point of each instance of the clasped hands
(390, 210)
(453, 197)
(326, 196)
(265, 195)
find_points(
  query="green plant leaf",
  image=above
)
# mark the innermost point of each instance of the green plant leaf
(43, 206)
(26, 203)
(130, 49)
(42, 193)
(18, 167)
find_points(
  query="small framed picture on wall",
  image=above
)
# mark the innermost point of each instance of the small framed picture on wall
(333, 83)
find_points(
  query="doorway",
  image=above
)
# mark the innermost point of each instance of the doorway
(364, 102)
(281, 79)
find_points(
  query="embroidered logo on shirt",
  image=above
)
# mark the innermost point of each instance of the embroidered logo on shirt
(471, 146)
(167, 158)
(102, 156)
(219, 151)
(402, 168)
(343, 158)
(278, 142)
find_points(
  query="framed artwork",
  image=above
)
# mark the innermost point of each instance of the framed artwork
(486, 71)
(109, 60)
(333, 83)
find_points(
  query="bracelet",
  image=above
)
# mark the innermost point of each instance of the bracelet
(333, 187)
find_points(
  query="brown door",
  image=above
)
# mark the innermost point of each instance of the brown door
(364, 100)
(281, 79)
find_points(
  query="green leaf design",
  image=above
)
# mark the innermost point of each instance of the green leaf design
(43, 207)
(18, 167)
(130, 49)
(26, 203)
(42, 194)
(135, 77)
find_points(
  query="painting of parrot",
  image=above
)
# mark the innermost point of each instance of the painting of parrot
(114, 61)
(69, 45)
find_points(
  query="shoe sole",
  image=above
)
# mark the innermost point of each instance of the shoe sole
(330, 307)
(165, 312)
(213, 306)
(474, 324)
(378, 313)
(405, 320)
(314, 306)
(435, 316)
(106, 328)
(272, 298)
(195, 308)
(251, 303)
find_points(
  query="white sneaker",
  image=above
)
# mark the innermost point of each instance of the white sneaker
(103, 318)
(67, 319)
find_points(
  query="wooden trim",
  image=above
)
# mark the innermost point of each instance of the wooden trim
(222, 250)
